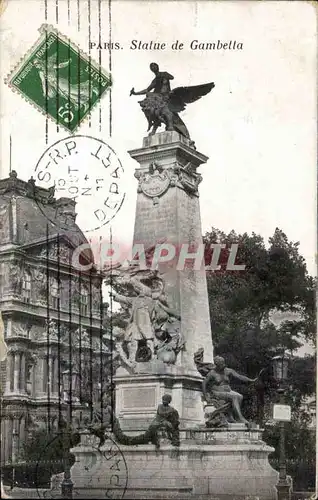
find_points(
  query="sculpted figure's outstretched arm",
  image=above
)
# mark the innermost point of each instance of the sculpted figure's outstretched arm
(243, 378)
(121, 298)
(170, 311)
(138, 286)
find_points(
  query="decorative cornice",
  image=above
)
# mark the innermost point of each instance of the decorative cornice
(15, 348)
(188, 178)
(16, 186)
(157, 179)
(165, 149)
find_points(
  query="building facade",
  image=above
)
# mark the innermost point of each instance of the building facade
(52, 312)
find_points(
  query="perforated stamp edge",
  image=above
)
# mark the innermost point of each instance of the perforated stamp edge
(45, 30)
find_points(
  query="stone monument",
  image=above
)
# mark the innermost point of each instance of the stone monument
(166, 335)
(168, 211)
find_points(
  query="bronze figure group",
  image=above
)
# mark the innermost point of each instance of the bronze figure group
(163, 105)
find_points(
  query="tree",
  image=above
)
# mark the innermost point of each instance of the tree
(43, 454)
(242, 307)
(44, 446)
(242, 304)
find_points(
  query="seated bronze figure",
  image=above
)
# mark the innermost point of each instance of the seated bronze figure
(217, 391)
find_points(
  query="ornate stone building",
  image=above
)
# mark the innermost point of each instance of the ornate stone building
(47, 306)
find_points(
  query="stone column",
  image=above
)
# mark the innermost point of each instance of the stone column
(51, 373)
(56, 376)
(8, 438)
(17, 371)
(44, 374)
(22, 430)
(33, 380)
(9, 373)
(15, 438)
(4, 438)
(23, 374)
(2, 448)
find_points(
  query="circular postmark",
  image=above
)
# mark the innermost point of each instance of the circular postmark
(87, 470)
(116, 479)
(82, 180)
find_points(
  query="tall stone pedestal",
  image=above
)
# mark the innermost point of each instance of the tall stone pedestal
(228, 465)
(168, 212)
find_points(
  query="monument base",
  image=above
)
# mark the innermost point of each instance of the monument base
(137, 398)
(225, 465)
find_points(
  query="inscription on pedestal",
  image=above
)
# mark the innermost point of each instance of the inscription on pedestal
(139, 398)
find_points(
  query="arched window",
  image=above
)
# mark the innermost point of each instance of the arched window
(26, 286)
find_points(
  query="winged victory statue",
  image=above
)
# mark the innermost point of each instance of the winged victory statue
(163, 105)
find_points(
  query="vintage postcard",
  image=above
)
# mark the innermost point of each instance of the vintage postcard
(158, 244)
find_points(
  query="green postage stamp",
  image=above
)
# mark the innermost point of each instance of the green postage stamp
(61, 81)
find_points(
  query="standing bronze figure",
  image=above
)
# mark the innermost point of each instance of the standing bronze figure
(162, 105)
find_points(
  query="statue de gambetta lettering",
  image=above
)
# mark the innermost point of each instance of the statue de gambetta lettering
(179, 45)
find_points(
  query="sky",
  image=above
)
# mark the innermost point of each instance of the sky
(257, 126)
